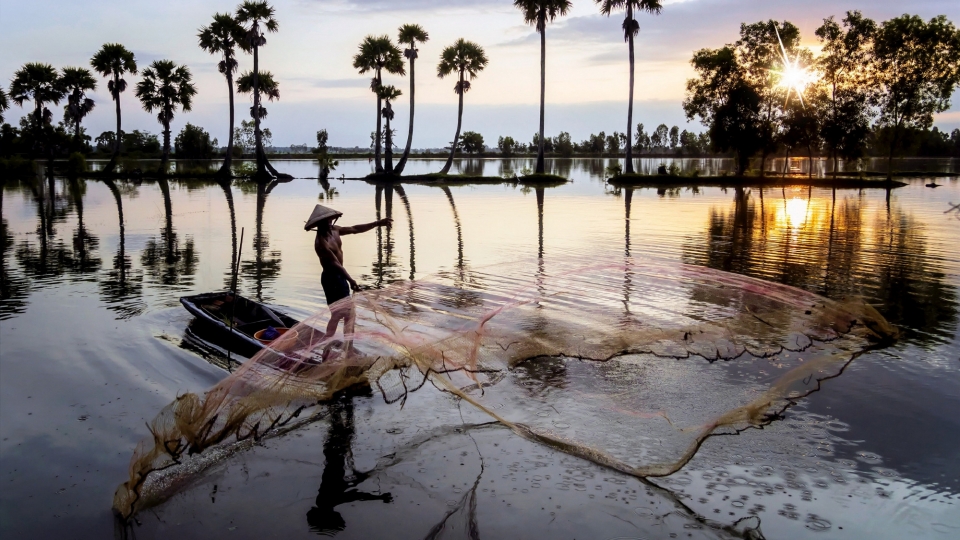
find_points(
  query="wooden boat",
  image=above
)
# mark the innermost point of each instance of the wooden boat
(213, 312)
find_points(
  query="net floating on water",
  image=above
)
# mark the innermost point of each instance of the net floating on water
(597, 361)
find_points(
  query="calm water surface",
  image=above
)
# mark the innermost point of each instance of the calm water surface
(93, 343)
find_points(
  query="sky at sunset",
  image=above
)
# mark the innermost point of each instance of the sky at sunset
(311, 56)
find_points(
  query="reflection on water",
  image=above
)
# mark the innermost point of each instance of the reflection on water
(128, 251)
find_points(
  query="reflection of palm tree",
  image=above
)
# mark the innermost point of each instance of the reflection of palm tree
(168, 263)
(540, 223)
(120, 290)
(335, 487)
(456, 222)
(13, 289)
(627, 257)
(466, 59)
(83, 241)
(406, 205)
(228, 194)
(266, 264)
(383, 269)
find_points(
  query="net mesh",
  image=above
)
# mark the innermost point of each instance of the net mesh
(597, 361)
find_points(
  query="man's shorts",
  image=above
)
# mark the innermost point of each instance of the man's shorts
(335, 286)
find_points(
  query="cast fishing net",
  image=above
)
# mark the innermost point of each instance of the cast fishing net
(631, 366)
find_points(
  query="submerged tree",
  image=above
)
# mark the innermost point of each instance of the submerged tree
(378, 53)
(166, 86)
(466, 59)
(257, 15)
(630, 30)
(222, 37)
(76, 81)
(388, 94)
(113, 60)
(410, 35)
(538, 13)
(916, 72)
(844, 67)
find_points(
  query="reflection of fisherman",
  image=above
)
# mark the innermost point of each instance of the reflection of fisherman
(335, 280)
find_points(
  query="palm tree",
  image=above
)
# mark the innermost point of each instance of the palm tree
(76, 81)
(466, 58)
(257, 14)
(40, 84)
(410, 34)
(114, 60)
(4, 104)
(164, 87)
(223, 36)
(376, 54)
(537, 13)
(388, 94)
(630, 30)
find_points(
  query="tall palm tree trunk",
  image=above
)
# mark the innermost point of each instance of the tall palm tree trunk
(628, 169)
(406, 149)
(116, 146)
(165, 157)
(543, 91)
(262, 164)
(376, 136)
(388, 146)
(228, 160)
(453, 148)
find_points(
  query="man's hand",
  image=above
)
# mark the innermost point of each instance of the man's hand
(353, 285)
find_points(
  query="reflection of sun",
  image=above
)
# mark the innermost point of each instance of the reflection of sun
(793, 213)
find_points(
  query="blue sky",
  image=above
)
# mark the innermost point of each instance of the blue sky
(312, 53)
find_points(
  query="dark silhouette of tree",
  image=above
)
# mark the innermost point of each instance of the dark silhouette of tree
(113, 60)
(121, 288)
(13, 289)
(378, 53)
(171, 264)
(84, 262)
(537, 13)
(270, 88)
(40, 84)
(4, 103)
(726, 103)
(630, 30)
(466, 59)
(165, 87)
(916, 72)
(387, 94)
(222, 37)
(410, 35)
(76, 81)
(802, 126)
(661, 137)
(844, 68)
(257, 15)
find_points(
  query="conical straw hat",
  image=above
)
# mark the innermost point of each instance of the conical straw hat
(319, 214)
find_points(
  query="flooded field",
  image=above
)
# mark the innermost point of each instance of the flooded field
(94, 344)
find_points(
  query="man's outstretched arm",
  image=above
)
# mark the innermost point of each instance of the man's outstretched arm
(357, 229)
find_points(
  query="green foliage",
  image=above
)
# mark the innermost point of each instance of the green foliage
(164, 87)
(563, 145)
(472, 142)
(40, 84)
(466, 59)
(244, 168)
(538, 13)
(194, 142)
(268, 86)
(507, 146)
(245, 138)
(76, 164)
(322, 142)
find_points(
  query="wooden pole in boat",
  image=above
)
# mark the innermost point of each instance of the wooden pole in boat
(233, 304)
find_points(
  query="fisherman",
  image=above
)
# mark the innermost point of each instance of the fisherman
(335, 279)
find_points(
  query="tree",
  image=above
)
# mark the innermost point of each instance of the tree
(688, 143)
(387, 94)
(507, 146)
(4, 104)
(726, 103)
(916, 72)
(222, 37)
(246, 139)
(472, 142)
(844, 68)
(802, 125)
(193, 142)
(164, 87)
(376, 54)
(76, 81)
(322, 142)
(674, 137)
(113, 60)
(614, 142)
(643, 141)
(661, 137)
(261, 138)
(630, 30)
(537, 13)
(254, 15)
(563, 145)
(410, 35)
(466, 59)
(40, 84)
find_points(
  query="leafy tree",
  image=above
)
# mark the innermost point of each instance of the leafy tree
(615, 142)
(165, 87)
(113, 60)
(688, 143)
(222, 37)
(643, 141)
(802, 125)
(255, 16)
(630, 30)
(388, 94)
(563, 145)
(77, 81)
(193, 142)
(245, 136)
(4, 104)
(596, 143)
(537, 13)
(674, 137)
(507, 146)
(378, 53)
(467, 60)
(410, 35)
(844, 69)
(535, 144)
(916, 72)
(473, 142)
(661, 137)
